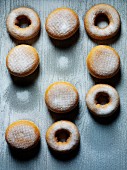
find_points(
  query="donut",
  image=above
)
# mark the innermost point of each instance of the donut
(102, 100)
(13, 21)
(94, 13)
(62, 23)
(63, 136)
(61, 97)
(103, 62)
(22, 60)
(22, 135)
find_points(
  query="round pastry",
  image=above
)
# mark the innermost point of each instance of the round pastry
(62, 136)
(103, 62)
(102, 100)
(13, 23)
(22, 135)
(22, 60)
(62, 23)
(61, 97)
(91, 18)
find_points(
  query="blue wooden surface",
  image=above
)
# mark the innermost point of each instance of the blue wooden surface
(103, 146)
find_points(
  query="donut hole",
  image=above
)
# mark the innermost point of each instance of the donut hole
(102, 98)
(101, 21)
(62, 135)
(22, 21)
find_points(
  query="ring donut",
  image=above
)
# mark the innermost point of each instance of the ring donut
(102, 33)
(62, 136)
(13, 21)
(103, 62)
(102, 100)
(22, 135)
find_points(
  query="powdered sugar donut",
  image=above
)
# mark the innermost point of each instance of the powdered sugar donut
(23, 33)
(102, 100)
(62, 23)
(62, 136)
(22, 134)
(61, 97)
(103, 62)
(102, 33)
(22, 60)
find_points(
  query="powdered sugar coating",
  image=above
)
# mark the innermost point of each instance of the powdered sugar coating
(22, 60)
(23, 33)
(102, 33)
(61, 97)
(22, 135)
(62, 23)
(98, 109)
(103, 62)
(71, 142)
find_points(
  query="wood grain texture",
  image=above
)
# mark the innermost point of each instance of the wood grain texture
(103, 146)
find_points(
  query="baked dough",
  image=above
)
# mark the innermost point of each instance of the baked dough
(62, 23)
(102, 100)
(62, 136)
(61, 97)
(103, 62)
(23, 33)
(22, 60)
(102, 33)
(22, 134)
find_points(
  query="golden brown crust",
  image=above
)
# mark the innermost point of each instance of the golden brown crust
(102, 100)
(103, 62)
(22, 60)
(23, 33)
(102, 33)
(67, 131)
(61, 97)
(62, 23)
(22, 134)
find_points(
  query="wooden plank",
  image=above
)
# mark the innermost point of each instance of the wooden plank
(102, 146)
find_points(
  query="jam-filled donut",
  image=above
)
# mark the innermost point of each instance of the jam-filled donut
(62, 136)
(102, 100)
(103, 62)
(22, 60)
(61, 97)
(13, 22)
(62, 23)
(102, 33)
(22, 135)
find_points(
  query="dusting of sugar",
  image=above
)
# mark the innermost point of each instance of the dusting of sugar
(23, 33)
(61, 22)
(23, 96)
(22, 136)
(103, 61)
(110, 30)
(70, 144)
(61, 97)
(63, 62)
(98, 109)
(22, 59)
